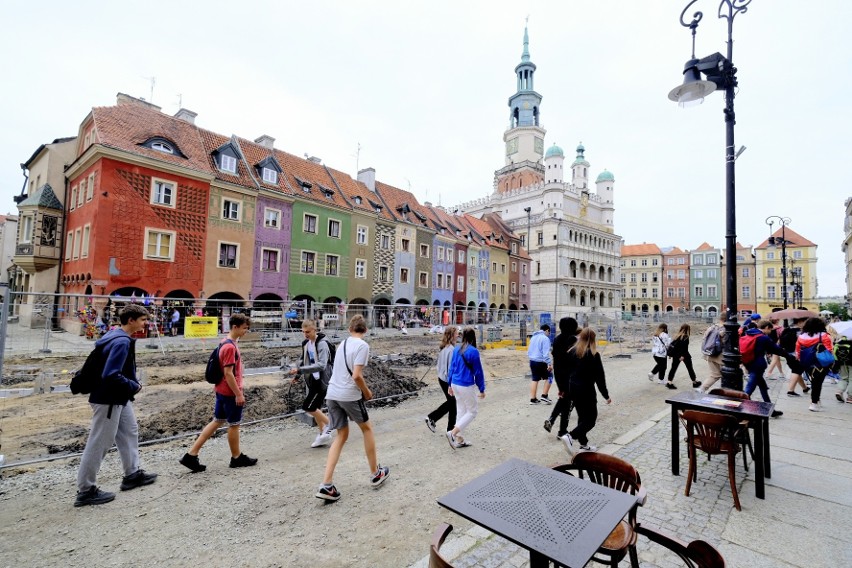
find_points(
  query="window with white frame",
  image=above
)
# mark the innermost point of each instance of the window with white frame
(655, 262)
(227, 163)
(698, 259)
(81, 195)
(514, 248)
(440, 281)
(162, 192)
(711, 291)
(770, 292)
(514, 266)
(514, 287)
(770, 255)
(424, 251)
(711, 259)
(698, 291)
(230, 209)
(623, 278)
(448, 281)
(90, 188)
(69, 244)
(524, 289)
(644, 277)
(270, 176)
(405, 245)
(483, 263)
(439, 252)
(385, 241)
(644, 262)
(797, 254)
(461, 257)
(711, 273)
(308, 262)
(361, 235)
(269, 260)
(423, 279)
(360, 268)
(228, 255)
(746, 291)
(524, 269)
(271, 218)
(681, 274)
(670, 261)
(540, 238)
(332, 265)
(383, 273)
(698, 274)
(632, 262)
(494, 267)
(502, 289)
(472, 260)
(27, 229)
(633, 292)
(84, 250)
(159, 244)
(334, 228)
(670, 292)
(403, 276)
(770, 272)
(644, 292)
(483, 285)
(309, 224)
(460, 284)
(72, 203)
(681, 261)
(502, 268)
(633, 278)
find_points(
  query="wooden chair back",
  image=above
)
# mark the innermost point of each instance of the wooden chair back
(696, 554)
(438, 538)
(713, 433)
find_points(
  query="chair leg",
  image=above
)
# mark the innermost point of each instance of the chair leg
(745, 458)
(692, 472)
(634, 557)
(732, 458)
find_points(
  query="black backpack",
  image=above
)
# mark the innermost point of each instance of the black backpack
(787, 341)
(843, 352)
(90, 374)
(214, 373)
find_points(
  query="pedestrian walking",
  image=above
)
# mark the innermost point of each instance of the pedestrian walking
(712, 354)
(541, 364)
(465, 378)
(230, 400)
(174, 322)
(113, 420)
(754, 345)
(679, 349)
(813, 333)
(775, 359)
(445, 356)
(843, 368)
(587, 373)
(787, 342)
(568, 329)
(316, 371)
(659, 344)
(347, 393)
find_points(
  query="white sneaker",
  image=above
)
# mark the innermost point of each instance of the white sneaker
(589, 448)
(650, 376)
(814, 407)
(321, 440)
(569, 444)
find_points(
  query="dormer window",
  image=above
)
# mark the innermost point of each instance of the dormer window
(268, 169)
(270, 176)
(162, 147)
(329, 193)
(357, 200)
(306, 185)
(227, 163)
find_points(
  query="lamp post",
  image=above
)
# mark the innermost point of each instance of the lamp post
(773, 242)
(528, 211)
(721, 74)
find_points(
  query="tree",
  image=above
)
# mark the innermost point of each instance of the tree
(837, 309)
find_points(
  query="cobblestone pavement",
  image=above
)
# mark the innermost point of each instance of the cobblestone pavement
(766, 533)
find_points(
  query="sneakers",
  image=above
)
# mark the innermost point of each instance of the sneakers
(430, 424)
(93, 496)
(535, 401)
(544, 399)
(137, 479)
(671, 386)
(589, 448)
(192, 463)
(696, 384)
(461, 443)
(451, 439)
(777, 413)
(321, 440)
(793, 393)
(651, 376)
(548, 424)
(243, 461)
(806, 390)
(329, 493)
(841, 397)
(814, 407)
(380, 476)
(569, 444)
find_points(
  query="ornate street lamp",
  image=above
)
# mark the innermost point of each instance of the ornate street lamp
(774, 242)
(720, 74)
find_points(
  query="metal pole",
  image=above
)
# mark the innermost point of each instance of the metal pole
(4, 323)
(48, 315)
(784, 262)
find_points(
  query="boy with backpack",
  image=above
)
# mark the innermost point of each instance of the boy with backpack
(754, 345)
(843, 366)
(711, 348)
(317, 361)
(230, 400)
(113, 421)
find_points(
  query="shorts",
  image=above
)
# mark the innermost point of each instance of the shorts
(226, 409)
(795, 366)
(315, 397)
(341, 411)
(538, 371)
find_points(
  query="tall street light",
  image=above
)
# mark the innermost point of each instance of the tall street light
(721, 74)
(774, 242)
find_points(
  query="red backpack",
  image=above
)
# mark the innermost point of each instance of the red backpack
(747, 343)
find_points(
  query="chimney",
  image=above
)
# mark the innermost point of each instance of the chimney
(186, 115)
(266, 141)
(367, 176)
(427, 204)
(122, 99)
(315, 160)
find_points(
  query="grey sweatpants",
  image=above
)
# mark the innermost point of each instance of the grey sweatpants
(120, 429)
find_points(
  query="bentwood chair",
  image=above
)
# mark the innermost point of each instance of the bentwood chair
(713, 434)
(438, 538)
(743, 436)
(614, 473)
(696, 554)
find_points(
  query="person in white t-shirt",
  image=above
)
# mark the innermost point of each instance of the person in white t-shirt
(347, 393)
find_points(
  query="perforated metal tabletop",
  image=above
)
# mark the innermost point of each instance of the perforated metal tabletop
(555, 516)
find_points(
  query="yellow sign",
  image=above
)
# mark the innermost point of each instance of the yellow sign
(201, 327)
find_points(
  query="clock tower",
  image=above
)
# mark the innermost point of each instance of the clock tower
(525, 138)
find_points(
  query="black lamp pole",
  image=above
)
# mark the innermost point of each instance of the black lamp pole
(773, 241)
(721, 74)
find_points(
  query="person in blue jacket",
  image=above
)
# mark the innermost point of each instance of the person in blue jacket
(465, 378)
(113, 421)
(757, 366)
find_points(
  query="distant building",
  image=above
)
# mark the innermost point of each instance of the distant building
(770, 279)
(641, 278)
(675, 280)
(705, 280)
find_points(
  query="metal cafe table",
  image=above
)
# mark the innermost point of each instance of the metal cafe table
(756, 413)
(557, 517)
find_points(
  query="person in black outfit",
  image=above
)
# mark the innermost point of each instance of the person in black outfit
(586, 372)
(564, 341)
(679, 349)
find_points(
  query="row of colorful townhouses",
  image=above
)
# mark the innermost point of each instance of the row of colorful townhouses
(143, 203)
(669, 279)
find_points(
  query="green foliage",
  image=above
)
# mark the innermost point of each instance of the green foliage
(837, 309)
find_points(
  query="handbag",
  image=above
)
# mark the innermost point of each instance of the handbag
(824, 357)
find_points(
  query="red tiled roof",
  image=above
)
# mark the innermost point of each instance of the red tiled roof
(705, 246)
(793, 239)
(212, 142)
(353, 189)
(396, 199)
(640, 250)
(313, 173)
(673, 251)
(254, 154)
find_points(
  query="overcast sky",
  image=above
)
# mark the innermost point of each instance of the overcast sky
(423, 88)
